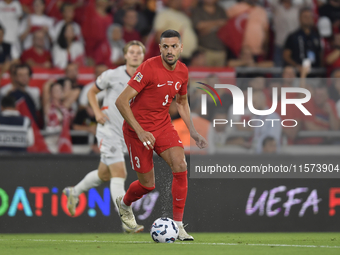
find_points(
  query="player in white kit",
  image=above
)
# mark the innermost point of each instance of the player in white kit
(109, 131)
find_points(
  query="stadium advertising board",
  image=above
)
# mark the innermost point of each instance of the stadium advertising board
(31, 200)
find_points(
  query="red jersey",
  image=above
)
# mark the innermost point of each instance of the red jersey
(94, 29)
(156, 87)
(36, 57)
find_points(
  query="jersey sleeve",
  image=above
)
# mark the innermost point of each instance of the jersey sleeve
(102, 81)
(184, 88)
(141, 78)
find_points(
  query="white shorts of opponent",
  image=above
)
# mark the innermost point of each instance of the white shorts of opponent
(112, 148)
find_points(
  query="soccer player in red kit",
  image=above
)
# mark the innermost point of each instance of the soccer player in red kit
(148, 127)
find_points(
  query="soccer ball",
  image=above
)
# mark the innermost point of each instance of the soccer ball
(164, 230)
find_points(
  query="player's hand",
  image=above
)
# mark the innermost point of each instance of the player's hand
(101, 118)
(147, 139)
(200, 141)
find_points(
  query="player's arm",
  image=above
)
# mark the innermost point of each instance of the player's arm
(123, 106)
(91, 95)
(184, 111)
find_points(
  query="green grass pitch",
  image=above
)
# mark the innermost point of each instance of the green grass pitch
(140, 244)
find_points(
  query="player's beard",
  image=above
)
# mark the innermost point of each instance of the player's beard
(170, 63)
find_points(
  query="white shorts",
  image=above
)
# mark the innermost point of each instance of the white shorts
(112, 149)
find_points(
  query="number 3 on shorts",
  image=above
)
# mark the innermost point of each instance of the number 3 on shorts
(137, 162)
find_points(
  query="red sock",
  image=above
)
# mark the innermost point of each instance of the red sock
(135, 192)
(179, 194)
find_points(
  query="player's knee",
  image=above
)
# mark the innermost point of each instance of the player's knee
(180, 166)
(104, 176)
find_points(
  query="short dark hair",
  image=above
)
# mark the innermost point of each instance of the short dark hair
(55, 84)
(8, 102)
(267, 140)
(130, 9)
(305, 9)
(2, 28)
(19, 66)
(170, 33)
(64, 6)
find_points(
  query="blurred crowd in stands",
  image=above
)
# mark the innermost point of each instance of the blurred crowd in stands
(265, 133)
(297, 35)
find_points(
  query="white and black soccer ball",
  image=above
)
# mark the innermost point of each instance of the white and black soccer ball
(164, 230)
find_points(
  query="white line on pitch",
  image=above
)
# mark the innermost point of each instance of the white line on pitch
(178, 243)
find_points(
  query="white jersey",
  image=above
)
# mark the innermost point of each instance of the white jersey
(10, 14)
(113, 81)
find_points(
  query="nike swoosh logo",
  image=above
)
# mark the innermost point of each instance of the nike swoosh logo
(179, 141)
(179, 199)
(160, 85)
